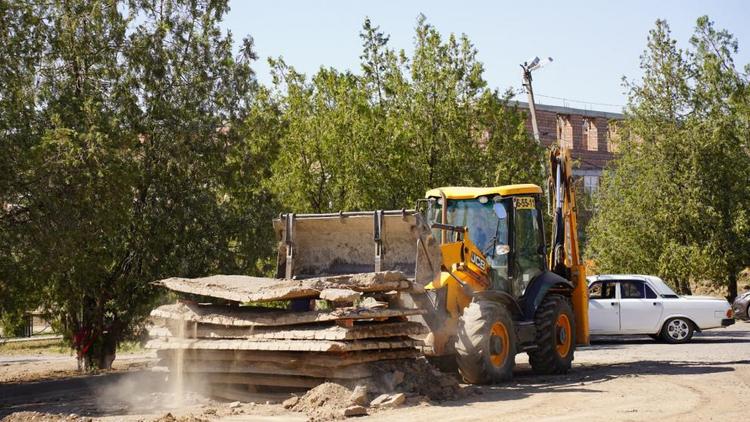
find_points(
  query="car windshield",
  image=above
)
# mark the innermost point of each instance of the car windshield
(662, 288)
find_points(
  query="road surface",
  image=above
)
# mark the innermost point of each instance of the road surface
(617, 378)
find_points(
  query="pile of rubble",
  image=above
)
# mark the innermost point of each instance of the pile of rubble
(297, 335)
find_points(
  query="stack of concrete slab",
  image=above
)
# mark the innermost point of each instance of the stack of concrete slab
(265, 333)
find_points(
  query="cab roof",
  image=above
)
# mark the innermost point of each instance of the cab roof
(462, 192)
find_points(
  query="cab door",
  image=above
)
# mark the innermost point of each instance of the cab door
(604, 308)
(640, 308)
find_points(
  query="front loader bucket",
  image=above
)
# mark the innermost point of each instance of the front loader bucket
(312, 245)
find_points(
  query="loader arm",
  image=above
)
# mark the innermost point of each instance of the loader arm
(565, 257)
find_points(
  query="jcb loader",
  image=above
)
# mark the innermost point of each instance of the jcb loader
(491, 285)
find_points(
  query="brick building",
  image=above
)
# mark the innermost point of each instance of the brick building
(586, 132)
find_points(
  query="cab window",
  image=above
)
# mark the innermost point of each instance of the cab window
(529, 255)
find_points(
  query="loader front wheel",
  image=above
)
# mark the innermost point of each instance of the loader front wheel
(486, 345)
(555, 336)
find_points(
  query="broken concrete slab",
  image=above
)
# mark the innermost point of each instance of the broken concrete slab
(388, 400)
(258, 369)
(379, 399)
(290, 402)
(282, 345)
(241, 316)
(240, 288)
(340, 295)
(354, 411)
(359, 395)
(332, 360)
(172, 328)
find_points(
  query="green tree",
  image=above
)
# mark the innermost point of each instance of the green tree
(131, 163)
(381, 138)
(675, 200)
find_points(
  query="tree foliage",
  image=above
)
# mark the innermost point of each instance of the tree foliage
(675, 200)
(381, 138)
(123, 159)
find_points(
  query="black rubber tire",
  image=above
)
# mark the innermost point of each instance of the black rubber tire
(473, 348)
(656, 337)
(671, 340)
(545, 359)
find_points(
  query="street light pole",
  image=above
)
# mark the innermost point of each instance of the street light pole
(532, 108)
(527, 69)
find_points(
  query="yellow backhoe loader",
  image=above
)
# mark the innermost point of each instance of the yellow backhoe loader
(491, 286)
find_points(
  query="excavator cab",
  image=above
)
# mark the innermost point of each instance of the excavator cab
(507, 229)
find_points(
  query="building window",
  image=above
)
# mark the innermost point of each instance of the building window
(590, 134)
(590, 184)
(612, 137)
(564, 131)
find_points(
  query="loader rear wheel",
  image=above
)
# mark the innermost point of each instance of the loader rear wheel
(555, 336)
(486, 344)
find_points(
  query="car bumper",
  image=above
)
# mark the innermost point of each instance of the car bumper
(726, 322)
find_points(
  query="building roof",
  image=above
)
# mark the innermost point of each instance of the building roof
(463, 192)
(571, 110)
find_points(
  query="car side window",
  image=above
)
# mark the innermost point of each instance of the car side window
(602, 290)
(632, 290)
(649, 293)
(595, 290)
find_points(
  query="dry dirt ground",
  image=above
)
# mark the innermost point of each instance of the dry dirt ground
(617, 378)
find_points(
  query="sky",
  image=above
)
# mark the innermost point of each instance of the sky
(593, 44)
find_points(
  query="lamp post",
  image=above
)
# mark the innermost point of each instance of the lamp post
(535, 64)
(527, 67)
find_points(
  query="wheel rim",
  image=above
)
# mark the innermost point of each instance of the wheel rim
(678, 329)
(563, 338)
(499, 344)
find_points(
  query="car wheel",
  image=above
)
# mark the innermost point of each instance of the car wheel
(677, 330)
(486, 344)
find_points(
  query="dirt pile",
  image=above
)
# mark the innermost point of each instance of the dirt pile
(328, 401)
(42, 417)
(415, 377)
(396, 380)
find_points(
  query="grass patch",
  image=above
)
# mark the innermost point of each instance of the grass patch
(130, 347)
(56, 347)
(35, 347)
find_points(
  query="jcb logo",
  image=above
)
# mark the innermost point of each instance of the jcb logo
(478, 261)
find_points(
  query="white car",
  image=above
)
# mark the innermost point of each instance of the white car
(644, 304)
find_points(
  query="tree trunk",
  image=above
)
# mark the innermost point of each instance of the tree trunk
(683, 287)
(732, 286)
(97, 342)
(107, 351)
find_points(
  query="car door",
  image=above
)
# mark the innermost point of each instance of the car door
(604, 309)
(640, 308)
